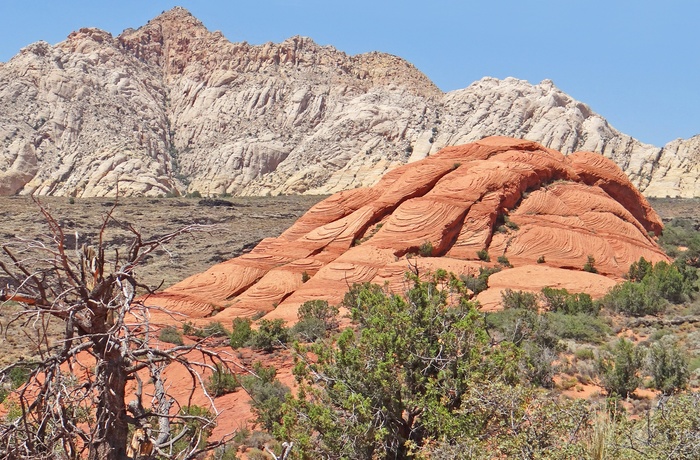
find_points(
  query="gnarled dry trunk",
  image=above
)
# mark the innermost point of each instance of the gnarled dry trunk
(112, 427)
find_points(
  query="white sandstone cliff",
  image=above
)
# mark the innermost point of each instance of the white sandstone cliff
(173, 107)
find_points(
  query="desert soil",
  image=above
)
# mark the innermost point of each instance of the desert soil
(230, 227)
(234, 226)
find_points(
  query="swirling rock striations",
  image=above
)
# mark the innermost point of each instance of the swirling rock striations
(172, 107)
(508, 197)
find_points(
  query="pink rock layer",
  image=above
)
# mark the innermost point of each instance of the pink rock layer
(510, 198)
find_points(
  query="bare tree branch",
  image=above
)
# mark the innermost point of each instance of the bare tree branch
(75, 398)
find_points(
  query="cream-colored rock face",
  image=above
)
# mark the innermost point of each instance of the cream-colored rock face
(173, 107)
(677, 170)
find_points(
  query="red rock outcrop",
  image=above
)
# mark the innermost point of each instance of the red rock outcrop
(509, 197)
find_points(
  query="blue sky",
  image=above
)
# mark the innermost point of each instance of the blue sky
(634, 62)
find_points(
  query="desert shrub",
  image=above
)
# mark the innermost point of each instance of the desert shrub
(199, 422)
(316, 317)
(426, 249)
(241, 435)
(690, 271)
(682, 232)
(634, 299)
(13, 411)
(519, 325)
(580, 302)
(479, 283)
(258, 439)
(531, 331)
(568, 383)
(580, 327)
(503, 260)
(638, 270)
(321, 310)
(619, 370)
(266, 395)
(412, 359)
(308, 330)
(551, 430)
(540, 260)
(483, 254)
(668, 367)
(586, 370)
(518, 299)
(213, 329)
(241, 332)
(562, 301)
(658, 334)
(257, 454)
(537, 365)
(667, 431)
(694, 364)
(675, 426)
(188, 328)
(15, 377)
(516, 324)
(305, 277)
(222, 381)
(589, 266)
(270, 335)
(554, 299)
(510, 224)
(229, 451)
(19, 374)
(226, 452)
(667, 281)
(170, 334)
(584, 354)
(650, 286)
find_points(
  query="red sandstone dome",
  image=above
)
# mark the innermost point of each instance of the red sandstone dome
(560, 209)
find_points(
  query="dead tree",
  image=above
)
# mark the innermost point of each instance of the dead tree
(74, 404)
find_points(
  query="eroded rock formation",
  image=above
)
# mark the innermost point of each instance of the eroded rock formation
(543, 211)
(173, 107)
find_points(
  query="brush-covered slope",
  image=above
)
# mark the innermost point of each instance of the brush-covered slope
(174, 107)
(507, 197)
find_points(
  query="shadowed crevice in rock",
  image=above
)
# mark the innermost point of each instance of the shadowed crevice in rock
(451, 200)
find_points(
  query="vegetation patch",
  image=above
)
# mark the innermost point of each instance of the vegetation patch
(650, 288)
(222, 381)
(479, 283)
(170, 334)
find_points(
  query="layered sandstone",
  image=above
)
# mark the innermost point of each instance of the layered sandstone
(559, 210)
(173, 107)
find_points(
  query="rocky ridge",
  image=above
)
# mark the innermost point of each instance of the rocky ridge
(172, 107)
(520, 202)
